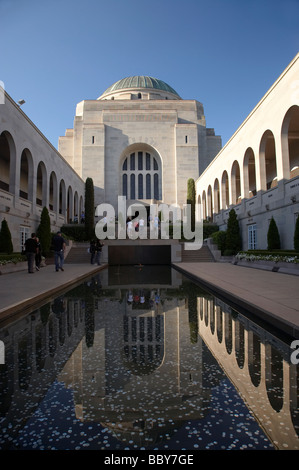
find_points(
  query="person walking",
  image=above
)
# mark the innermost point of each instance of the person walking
(30, 249)
(38, 255)
(59, 247)
(98, 252)
(92, 251)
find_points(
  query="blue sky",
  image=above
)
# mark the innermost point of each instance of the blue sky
(224, 53)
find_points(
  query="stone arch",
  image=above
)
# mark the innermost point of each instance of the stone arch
(141, 173)
(267, 159)
(249, 174)
(219, 323)
(239, 339)
(254, 358)
(228, 332)
(216, 196)
(76, 206)
(26, 175)
(210, 202)
(225, 190)
(7, 162)
(70, 204)
(236, 183)
(290, 142)
(53, 191)
(41, 185)
(62, 198)
(81, 206)
(294, 396)
(199, 205)
(274, 377)
(204, 205)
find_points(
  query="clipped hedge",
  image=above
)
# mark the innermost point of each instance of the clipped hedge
(12, 258)
(75, 232)
(219, 238)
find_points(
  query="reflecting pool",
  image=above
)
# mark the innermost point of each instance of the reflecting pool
(143, 358)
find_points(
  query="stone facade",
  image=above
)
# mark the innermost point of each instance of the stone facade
(33, 175)
(257, 171)
(167, 135)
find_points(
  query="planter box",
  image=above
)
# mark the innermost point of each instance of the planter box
(280, 266)
(13, 267)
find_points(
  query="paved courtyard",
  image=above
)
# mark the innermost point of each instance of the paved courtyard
(272, 296)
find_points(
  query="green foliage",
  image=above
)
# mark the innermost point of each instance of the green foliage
(12, 258)
(75, 232)
(273, 237)
(296, 235)
(209, 229)
(191, 200)
(233, 242)
(44, 232)
(219, 238)
(6, 245)
(89, 209)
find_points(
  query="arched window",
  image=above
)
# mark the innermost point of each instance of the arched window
(141, 176)
(268, 168)
(41, 185)
(26, 170)
(125, 185)
(225, 190)
(53, 192)
(156, 186)
(290, 142)
(7, 162)
(249, 174)
(132, 185)
(140, 186)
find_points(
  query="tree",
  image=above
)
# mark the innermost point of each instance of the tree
(233, 242)
(6, 245)
(296, 235)
(89, 209)
(44, 232)
(191, 200)
(273, 237)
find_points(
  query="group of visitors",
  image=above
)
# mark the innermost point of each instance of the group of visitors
(82, 219)
(136, 225)
(33, 251)
(140, 225)
(140, 297)
(95, 251)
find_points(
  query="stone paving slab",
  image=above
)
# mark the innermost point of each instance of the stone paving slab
(272, 296)
(21, 290)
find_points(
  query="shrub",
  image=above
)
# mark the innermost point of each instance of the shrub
(233, 242)
(191, 200)
(209, 229)
(220, 239)
(75, 232)
(89, 209)
(44, 232)
(273, 237)
(6, 245)
(296, 235)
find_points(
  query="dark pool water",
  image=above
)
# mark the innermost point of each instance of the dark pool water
(141, 358)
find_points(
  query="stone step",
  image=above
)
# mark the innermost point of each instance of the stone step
(203, 255)
(78, 254)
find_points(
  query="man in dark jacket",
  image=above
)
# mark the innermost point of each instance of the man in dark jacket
(30, 249)
(59, 247)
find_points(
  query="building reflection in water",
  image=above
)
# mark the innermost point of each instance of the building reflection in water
(140, 358)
